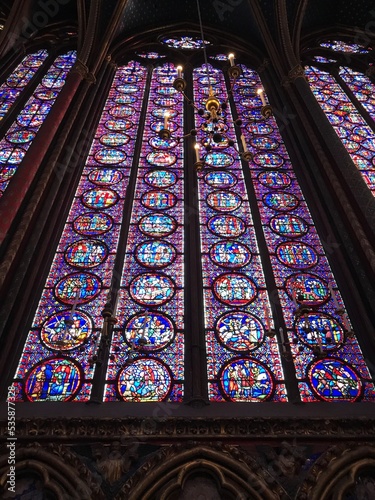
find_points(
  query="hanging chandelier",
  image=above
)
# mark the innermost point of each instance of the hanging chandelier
(214, 110)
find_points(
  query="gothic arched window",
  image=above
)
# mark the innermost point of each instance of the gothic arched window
(188, 259)
(346, 95)
(19, 137)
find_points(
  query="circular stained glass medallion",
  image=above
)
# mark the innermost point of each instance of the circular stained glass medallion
(145, 379)
(158, 200)
(351, 146)
(165, 101)
(160, 178)
(155, 253)
(54, 379)
(334, 380)
(267, 143)
(21, 136)
(269, 160)
(274, 180)
(99, 198)
(162, 144)
(159, 125)
(246, 380)
(30, 120)
(149, 330)
(319, 331)
(128, 78)
(122, 111)
(114, 139)
(118, 124)
(307, 289)
(157, 225)
(230, 254)
(281, 201)
(109, 156)
(161, 158)
(228, 226)
(166, 91)
(105, 176)
(234, 289)
(219, 160)
(335, 119)
(86, 253)
(128, 88)
(225, 201)
(6, 173)
(259, 128)
(84, 285)
(161, 112)
(210, 80)
(151, 289)
(239, 331)
(66, 330)
(92, 223)
(46, 95)
(296, 255)
(289, 226)
(54, 79)
(220, 179)
(222, 144)
(12, 156)
(125, 99)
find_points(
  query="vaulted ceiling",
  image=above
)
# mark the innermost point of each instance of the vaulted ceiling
(242, 21)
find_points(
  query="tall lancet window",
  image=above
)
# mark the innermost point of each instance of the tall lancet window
(18, 80)
(184, 248)
(338, 80)
(57, 363)
(147, 361)
(16, 142)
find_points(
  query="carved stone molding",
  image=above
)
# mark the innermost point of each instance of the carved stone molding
(236, 473)
(337, 470)
(78, 429)
(60, 470)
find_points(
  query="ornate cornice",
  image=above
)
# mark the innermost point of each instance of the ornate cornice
(89, 429)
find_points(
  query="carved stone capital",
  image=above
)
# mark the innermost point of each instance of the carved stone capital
(296, 72)
(83, 71)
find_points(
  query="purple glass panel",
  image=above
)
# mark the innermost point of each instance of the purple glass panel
(68, 319)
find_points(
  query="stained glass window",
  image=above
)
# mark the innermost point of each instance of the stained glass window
(243, 361)
(328, 361)
(57, 363)
(332, 87)
(17, 141)
(185, 42)
(17, 81)
(341, 46)
(127, 221)
(148, 349)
